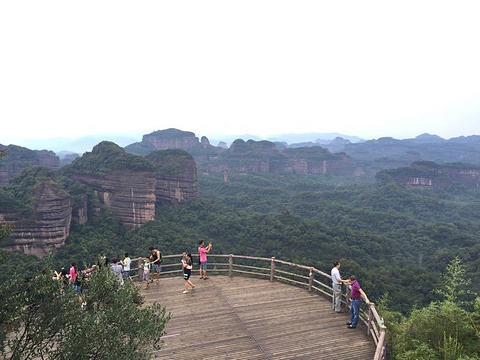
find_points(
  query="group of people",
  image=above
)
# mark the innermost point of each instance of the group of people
(356, 295)
(121, 268)
(152, 265)
(74, 278)
(70, 277)
(187, 265)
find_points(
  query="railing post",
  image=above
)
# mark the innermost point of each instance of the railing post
(310, 279)
(272, 268)
(140, 270)
(370, 317)
(380, 351)
(230, 265)
(348, 295)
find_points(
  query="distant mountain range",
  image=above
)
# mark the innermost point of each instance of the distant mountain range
(318, 138)
(65, 146)
(77, 145)
(464, 148)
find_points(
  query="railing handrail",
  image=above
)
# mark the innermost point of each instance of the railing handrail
(375, 327)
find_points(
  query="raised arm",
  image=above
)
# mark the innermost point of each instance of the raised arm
(207, 249)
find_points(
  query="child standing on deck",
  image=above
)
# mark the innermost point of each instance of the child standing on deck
(147, 269)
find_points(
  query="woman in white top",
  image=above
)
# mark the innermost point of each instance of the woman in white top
(126, 266)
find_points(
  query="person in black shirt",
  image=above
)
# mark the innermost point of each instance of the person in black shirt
(187, 265)
(155, 259)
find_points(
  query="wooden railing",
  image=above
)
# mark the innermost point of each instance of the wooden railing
(275, 269)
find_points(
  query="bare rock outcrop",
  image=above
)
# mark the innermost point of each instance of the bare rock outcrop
(108, 178)
(427, 174)
(172, 139)
(176, 176)
(128, 195)
(49, 226)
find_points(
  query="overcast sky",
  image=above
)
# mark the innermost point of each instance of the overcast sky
(370, 69)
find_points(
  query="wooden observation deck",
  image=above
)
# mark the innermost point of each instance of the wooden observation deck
(259, 315)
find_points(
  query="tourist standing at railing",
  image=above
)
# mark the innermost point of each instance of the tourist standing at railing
(356, 299)
(202, 253)
(337, 287)
(73, 278)
(156, 260)
(102, 260)
(126, 262)
(117, 270)
(187, 265)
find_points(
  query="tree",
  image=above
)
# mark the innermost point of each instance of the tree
(443, 330)
(40, 319)
(454, 282)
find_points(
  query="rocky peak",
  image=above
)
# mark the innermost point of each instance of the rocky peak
(172, 139)
(42, 217)
(205, 142)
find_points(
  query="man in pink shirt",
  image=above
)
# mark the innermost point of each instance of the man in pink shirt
(202, 253)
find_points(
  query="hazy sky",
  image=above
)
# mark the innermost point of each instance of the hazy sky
(363, 68)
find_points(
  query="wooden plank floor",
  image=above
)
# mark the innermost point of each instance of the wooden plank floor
(248, 318)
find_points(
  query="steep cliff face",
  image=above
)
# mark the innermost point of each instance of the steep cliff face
(122, 182)
(42, 203)
(177, 189)
(49, 226)
(245, 157)
(204, 154)
(18, 158)
(172, 139)
(128, 195)
(318, 161)
(262, 157)
(427, 174)
(176, 176)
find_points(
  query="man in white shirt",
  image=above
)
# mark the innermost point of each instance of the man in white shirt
(337, 287)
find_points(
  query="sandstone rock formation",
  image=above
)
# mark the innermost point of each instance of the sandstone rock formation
(172, 139)
(128, 195)
(249, 157)
(18, 158)
(128, 186)
(176, 176)
(428, 174)
(49, 226)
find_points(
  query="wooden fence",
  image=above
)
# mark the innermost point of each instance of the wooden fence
(275, 269)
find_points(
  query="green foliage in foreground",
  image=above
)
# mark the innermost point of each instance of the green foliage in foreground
(444, 330)
(40, 320)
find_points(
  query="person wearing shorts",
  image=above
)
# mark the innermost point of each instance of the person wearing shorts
(155, 259)
(187, 265)
(147, 269)
(202, 253)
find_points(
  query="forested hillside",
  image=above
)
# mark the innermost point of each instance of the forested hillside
(398, 240)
